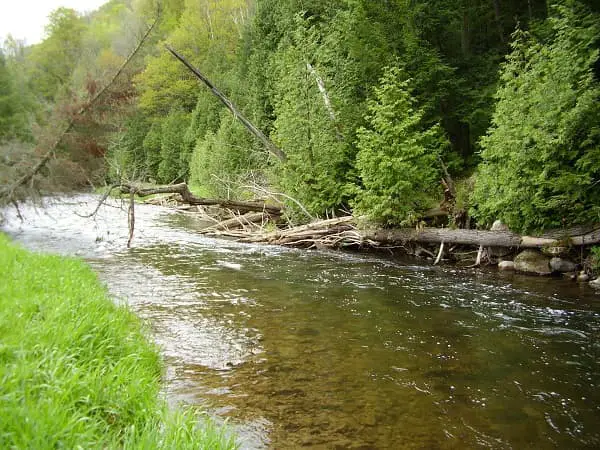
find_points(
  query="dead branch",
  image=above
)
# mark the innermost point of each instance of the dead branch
(237, 222)
(326, 99)
(189, 198)
(131, 218)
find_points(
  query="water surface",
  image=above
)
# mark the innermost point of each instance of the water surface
(331, 350)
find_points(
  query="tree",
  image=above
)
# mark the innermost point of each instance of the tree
(397, 156)
(170, 168)
(540, 157)
(56, 57)
(14, 116)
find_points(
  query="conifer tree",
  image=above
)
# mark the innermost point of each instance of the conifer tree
(541, 156)
(397, 156)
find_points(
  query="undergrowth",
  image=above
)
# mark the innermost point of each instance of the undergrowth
(77, 371)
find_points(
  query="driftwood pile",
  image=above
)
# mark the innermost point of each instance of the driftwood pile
(260, 222)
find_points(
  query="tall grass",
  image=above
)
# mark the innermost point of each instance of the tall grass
(75, 369)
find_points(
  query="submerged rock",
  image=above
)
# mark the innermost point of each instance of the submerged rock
(583, 276)
(562, 265)
(506, 265)
(532, 262)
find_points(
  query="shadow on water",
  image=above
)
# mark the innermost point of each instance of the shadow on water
(306, 348)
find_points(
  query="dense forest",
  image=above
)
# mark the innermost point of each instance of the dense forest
(488, 109)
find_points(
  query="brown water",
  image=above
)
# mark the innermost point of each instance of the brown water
(331, 350)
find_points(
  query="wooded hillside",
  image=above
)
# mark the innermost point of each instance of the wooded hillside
(481, 109)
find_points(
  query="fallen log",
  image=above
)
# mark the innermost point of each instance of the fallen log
(189, 198)
(485, 238)
(237, 222)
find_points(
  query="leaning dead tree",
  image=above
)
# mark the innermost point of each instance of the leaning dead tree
(269, 145)
(7, 193)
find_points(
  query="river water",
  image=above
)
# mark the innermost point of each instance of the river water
(319, 349)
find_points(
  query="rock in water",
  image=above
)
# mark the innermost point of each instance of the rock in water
(533, 262)
(506, 265)
(562, 265)
(583, 276)
(595, 283)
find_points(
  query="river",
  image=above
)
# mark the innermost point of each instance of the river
(320, 349)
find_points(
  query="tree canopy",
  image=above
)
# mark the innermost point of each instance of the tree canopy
(373, 102)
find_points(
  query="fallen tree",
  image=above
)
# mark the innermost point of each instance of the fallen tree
(575, 237)
(343, 232)
(187, 197)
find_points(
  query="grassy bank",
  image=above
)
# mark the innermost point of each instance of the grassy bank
(76, 370)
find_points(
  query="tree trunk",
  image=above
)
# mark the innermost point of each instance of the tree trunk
(485, 238)
(189, 198)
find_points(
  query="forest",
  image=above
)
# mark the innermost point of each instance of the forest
(484, 109)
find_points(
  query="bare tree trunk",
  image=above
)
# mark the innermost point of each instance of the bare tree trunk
(326, 99)
(189, 198)
(482, 237)
(272, 148)
(465, 36)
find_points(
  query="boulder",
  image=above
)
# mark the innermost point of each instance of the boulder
(562, 265)
(595, 283)
(555, 251)
(499, 226)
(532, 262)
(506, 265)
(583, 276)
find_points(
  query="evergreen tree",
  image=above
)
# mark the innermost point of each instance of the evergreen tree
(397, 156)
(170, 168)
(540, 157)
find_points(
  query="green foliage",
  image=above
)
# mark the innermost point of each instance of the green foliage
(223, 163)
(540, 157)
(55, 58)
(126, 157)
(397, 156)
(595, 259)
(78, 371)
(152, 150)
(172, 166)
(14, 117)
(317, 171)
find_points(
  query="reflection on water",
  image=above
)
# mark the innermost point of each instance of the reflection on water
(302, 348)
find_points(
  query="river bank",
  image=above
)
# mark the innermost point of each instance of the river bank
(78, 370)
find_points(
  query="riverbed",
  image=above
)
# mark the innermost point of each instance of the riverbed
(297, 348)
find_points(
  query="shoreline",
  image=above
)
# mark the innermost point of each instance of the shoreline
(78, 369)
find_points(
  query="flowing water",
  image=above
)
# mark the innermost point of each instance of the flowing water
(333, 350)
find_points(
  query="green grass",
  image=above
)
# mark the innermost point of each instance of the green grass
(78, 371)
